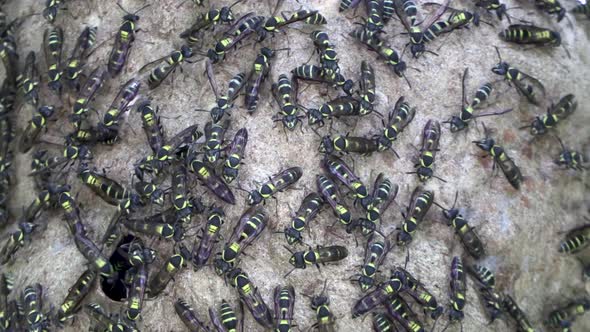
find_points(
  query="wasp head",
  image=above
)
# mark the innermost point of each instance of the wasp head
(485, 144)
(292, 235)
(226, 15)
(186, 51)
(457, 124)
(501, 68)
(538, 127)
(254, 197)
(424, 173)
(267, 52)
(229, 174)
(326, 145)
(450, 215)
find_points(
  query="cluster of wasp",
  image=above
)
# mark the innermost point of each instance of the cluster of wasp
(208, 157)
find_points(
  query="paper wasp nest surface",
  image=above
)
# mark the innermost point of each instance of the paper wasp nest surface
(521, 229)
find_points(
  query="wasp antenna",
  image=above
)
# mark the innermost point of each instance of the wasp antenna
(407, 80)
(440, 206)
(142, 8)
(235, 3)
(498, 52)
(285, 276)
(439, 178)
(524, 127)
(181, 4)
(289, 249)
(560, 142)
(455, 201)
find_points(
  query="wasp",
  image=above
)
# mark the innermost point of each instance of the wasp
(384, 192)
(70, 208)
(87, 92)
(249, 227)
(235, 154)
(139, 257)
(179, 196)
(109, 127)
(259, 72)
(555, 113)
(430, 141)
(327, 188)
(375, 252)
(403, 314)
(382, 323)
(407, 13)
(310, 207)
(285, 94)
(224, 102)
(109, 190)
(524, 83)
(214, 135)
(341, 106)
(517, 314)
(399, 118)
(73, 301)
(210, 234)
(319, 74)
(35, 126)
(348, 144)
(16, 240)
(188, 316)
(325, 320)
(224, 318)
(151, 125)
(274, 23)
(284, 302)
(123, 41)
(244, 27)
(250, 296)
(76, 61)
(482, 94)
(469, 238)
(458, 290)
(509, 168)
(276, 183)
(150, 192)
(70, 154)
(51, 9)
(320, 255)
(211, 181)
(159, 229)
(418, 292)
(575, 240)
(206, 20)
(32, 300)
(337, 168)
(106, 321)
(328, 55)
(551, 7)
(563, 317)
(44, 199)
(169, 270)
(176, 148)
(570, 158)
(420, 203)
(495, 6)
(367, 89)
(530, 34)
(582, 9)
(374, 23)
(167, 65)
(28, 80)
(92, 253)
(52, 45)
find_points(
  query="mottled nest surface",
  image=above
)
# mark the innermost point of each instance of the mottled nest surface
(519, 228)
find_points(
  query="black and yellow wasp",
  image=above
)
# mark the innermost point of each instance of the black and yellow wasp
(419, 32)
(87, 93)
(285, 93)
(258, 73)
(224, 318)
(174, 264)
(512, 308)
(327, 188)
(469, 238)
(206, 20)
(15, 241)
(167, 65)
(73, 300)
(420, 203)
(284, 302)
(251, 297)
(320, 255)
(482, 94)
(276, 183)
(399, 118)
(28, 80)
(383, 292)
(551, 7)
(402, 313)
(570, 158)
(188, 316)
(506, 164)
(430, 141)
(528, 34)
(524, 83)
(151, 125)
(310, 207)
(123, 41)
(51, 9)
(418, 292)
(555, 113)
(214, 139)
(209, 236)
(224, 102)
(582, 8)
(213, 182)
(109, 190)
(234, 155)
(242, 28)
(35, 126)
(323, 75)
(75, 63)
(32, 305)
(377, 248)
(576, 239)
(53, 40)
(563, 317)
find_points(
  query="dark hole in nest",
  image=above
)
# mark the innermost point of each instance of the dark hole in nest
(116, 290)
